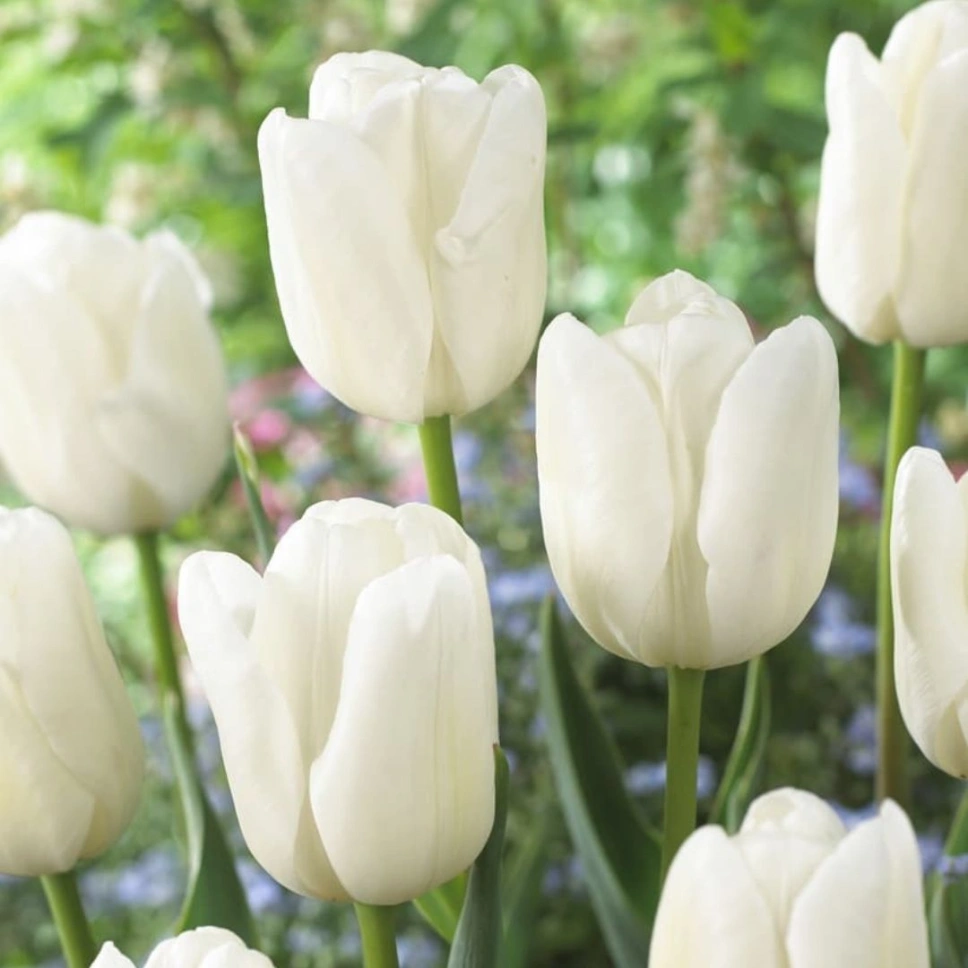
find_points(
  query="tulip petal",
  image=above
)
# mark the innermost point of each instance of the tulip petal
(168, 421)
(667, 297)
(206, 948)
(687, 360)
(864, 907)
(364, 334)
(217, 599)
(932, 289)
(712, 914)
(110, 957)
(404, 792)
(768, 510)
(488, 262)
(929, 554)
(858, 217)
(607, 533)
(346, 83)
(310, 588)
(67, 676)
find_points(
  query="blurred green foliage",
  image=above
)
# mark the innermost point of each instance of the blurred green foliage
(681, 134)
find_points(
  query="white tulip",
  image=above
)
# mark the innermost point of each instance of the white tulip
(892, 225)
(354, 690)
(688, 478)
(71, 758)
(201, 948)
(929, 575)
(113, 394)
(794, 889)
(406, 231)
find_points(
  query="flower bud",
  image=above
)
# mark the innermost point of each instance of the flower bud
(354, 690)
(406, 230)
(71, 758)
(201, 948)
(929, 575)
(794, 889)
(113, 393)
(892, 224)
(688, 478)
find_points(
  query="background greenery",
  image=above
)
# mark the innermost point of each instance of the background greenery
(681, 134)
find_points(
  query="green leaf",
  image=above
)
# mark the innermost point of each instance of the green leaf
(522, 894)
(948, 903)
(248, 467)
(621, 860)
(441, 907)
(477, 943)
(214, 895)
(749, 747)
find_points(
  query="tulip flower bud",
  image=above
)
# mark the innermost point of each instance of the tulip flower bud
(113, 394)
(406, 231)
(892, 224)
(71, 756)
(354, 690)
(794, 889)
(201, 948)
(929, 574)
(688, 478)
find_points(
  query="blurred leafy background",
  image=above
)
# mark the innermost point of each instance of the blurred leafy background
(681, 134)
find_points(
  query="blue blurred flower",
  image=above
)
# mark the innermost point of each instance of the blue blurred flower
(836, 631)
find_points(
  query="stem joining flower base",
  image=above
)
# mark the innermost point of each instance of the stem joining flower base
(682, 759)
(68, 913)
(377, 935)
(902, 432)
(438, 458)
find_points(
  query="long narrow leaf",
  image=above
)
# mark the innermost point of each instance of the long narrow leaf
(949, 897)
(621, 861)
(477, 942)
(522, 895)
(214, 896)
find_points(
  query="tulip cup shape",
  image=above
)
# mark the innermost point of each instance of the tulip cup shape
(113, 393)
(406, 231)
(201, 948)
(929, 571)
(71, 756)
(354, 690)
(794, 889)
(892, 224)
(688, 478)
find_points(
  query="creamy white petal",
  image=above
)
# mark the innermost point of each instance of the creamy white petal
(488, 262)
(768, 511)
(347, 82)
(167, 423)
(929, 557)
(45, 814)
(711, 913)
(667, 296)
(206, 948)
(858, 216)
(864, 907)
(404, 793)
(604, 481)
(217, 599)
(66, 674)
(309, 591)
(932, 287)
(687, 361)
(363, 333)
(110, 957)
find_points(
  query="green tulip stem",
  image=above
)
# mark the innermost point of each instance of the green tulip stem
(682, 759)
(162, 638)
(73, 929)
(377, 935)
(892, 780)
(438, 458)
